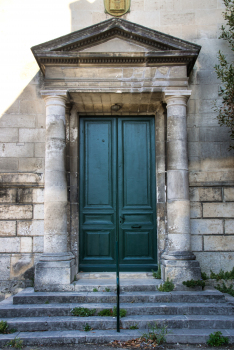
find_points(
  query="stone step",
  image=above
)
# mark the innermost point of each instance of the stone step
(112, 275)
(42, 310)
(103, 285)
(34, 324)
(29, 297)
(174, 336)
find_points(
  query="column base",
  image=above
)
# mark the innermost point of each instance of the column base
(54, 272)
(180, 270)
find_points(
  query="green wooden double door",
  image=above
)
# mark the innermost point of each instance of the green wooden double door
(117, 193)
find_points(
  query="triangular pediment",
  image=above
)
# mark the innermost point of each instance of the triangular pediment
(117, 40)
(120, 44)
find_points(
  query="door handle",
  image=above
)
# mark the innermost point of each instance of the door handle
(136, 226)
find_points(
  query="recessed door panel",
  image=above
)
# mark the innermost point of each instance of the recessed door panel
(135, 163)
(117, 193)
(98, 164)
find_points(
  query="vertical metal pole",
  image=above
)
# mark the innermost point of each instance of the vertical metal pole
(117, 281)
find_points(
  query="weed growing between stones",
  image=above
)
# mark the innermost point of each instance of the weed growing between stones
(87, 327)
(194, 283)
(157, 274)
(4, 328)
(47, 302)
(204, 276)
(16, 343)
(106, 312)
(167, 286)
(155, 334)
(217, 339)
(225, 289)
(110, 312)
(134, 326)
(222, 275)
(107, 289)
(82, 312)
(122, 312)
(95, 290)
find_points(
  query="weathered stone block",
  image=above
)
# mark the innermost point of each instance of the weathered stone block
(10, 245)
(178, 217)
(15, 212)
(214, 134)
(7, 228)
(229, 226)
(38, 195)
(215, 262)
(16, 150)
(9, 135)
(8, 195)
(206, 226)
(38, 211)
(193, 134)
(38, 244)
(195, 210)
(218, 210)
(228, 194)
(30, 228)
(54, 272)
(25, 195)
(210, 150)
(175, 184)
(20, 263)
(18, 120)
(196, 243)
(41, 120)
(40, 150)
(209, 17)
(207, 177)
(32, 164)
(218, 243)
(32, 135)
(26, 244)
(8, 164)
(21, 179)
(205, 194)
(178, 71)
(5, 264)
(32, 106)
(30, 92)
(185, 18)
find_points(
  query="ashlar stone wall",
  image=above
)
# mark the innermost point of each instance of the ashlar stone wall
(22, 145)
(212, 227)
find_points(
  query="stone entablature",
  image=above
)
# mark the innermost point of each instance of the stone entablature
(162, 48)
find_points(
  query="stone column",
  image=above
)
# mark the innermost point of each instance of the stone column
(56, 267)
(178, 262)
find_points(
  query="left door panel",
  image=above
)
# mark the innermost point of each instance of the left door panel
(97, 193)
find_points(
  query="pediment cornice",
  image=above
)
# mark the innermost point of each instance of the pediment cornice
(162, 48)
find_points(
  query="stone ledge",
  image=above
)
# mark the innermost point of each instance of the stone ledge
(23, 179)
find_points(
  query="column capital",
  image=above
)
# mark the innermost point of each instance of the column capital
(177, 96)
(55, 96)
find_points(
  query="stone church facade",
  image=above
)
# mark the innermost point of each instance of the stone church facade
(147, 78)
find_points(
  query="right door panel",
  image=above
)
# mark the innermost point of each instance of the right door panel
(136, 193)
